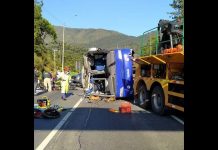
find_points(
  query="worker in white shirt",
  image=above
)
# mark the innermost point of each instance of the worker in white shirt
(65, 79)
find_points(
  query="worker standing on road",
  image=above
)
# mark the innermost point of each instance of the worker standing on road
(36, 76)
(47, 80)
(65, 79)
(54, 78)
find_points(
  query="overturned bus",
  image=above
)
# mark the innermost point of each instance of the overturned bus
(109, 72)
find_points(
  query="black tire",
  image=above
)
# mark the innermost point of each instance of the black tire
(142, 96)
(158, 101)
(51, 113)
(37, 113)
(58, 108)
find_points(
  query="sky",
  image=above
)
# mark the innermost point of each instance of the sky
(130, 17)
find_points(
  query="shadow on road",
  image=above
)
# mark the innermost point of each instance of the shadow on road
(103, 120)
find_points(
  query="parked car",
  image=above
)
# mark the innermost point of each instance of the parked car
(76, 81)
(76, 78)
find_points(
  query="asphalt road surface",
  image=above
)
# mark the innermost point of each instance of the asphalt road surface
(91, 126)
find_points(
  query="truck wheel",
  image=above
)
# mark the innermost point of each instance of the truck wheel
(157, 101)
(142, 96)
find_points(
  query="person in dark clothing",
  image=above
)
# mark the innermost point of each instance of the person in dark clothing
(36, 76)
(54, 78)
(47, 80)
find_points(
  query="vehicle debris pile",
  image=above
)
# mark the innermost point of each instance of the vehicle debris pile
(43, 109)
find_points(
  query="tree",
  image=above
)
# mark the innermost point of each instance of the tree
(42, 28)
(178, 5)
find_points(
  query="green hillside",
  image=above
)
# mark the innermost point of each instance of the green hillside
(96, 38)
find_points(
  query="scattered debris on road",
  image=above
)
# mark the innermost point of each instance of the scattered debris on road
(44, 109)
(125, 107)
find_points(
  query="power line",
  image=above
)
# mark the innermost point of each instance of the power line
(62, 68)
(56, 18)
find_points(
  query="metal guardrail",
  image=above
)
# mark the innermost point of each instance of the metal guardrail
(150, 43)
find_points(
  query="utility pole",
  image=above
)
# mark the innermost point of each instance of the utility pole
(79, 67)
(63, 52)
(54, 59)
(150, 43)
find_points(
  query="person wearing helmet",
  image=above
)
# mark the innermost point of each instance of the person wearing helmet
(65, 79)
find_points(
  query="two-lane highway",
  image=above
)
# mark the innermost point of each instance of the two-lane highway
(91, 126)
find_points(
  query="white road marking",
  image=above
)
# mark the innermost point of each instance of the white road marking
(55, 130)
(147, 111)
(177, 119)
